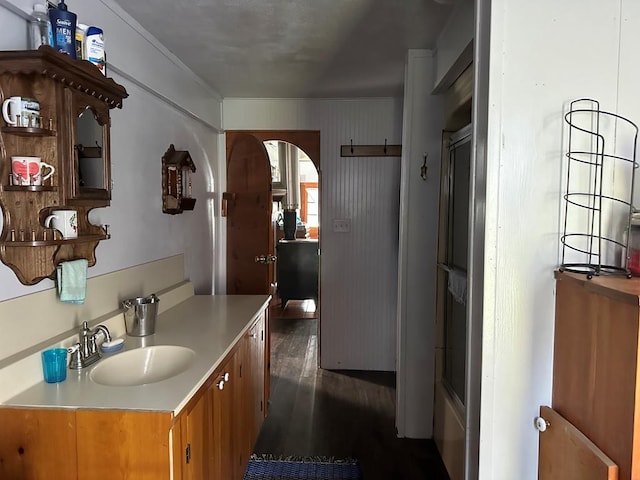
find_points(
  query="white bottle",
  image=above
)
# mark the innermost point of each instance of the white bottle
(40, 32)
(94, 48)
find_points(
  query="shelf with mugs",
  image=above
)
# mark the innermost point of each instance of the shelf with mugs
(54, 157)
(28, 131)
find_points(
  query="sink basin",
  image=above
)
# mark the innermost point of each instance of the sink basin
(143, 365)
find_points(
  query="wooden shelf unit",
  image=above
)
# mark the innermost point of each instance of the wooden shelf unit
(66, 89)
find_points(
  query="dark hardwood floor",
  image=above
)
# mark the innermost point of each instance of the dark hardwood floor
(295, 309)
(336, 413)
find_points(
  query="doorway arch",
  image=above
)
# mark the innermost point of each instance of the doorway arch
(309, 142)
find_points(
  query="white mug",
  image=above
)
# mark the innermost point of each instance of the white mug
(21, 112)
(65, 221)
(26, 171)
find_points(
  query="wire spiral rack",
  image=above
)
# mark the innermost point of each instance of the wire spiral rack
(600, 176)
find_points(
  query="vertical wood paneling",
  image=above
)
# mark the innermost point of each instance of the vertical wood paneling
(359, 268)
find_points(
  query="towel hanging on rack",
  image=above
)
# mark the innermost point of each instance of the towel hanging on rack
(457, 283)
(72, 280)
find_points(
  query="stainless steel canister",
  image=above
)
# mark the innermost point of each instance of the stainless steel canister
(140, 315)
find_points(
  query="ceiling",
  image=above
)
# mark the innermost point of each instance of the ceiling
(295, 48)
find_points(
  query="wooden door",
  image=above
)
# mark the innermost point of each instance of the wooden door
(565, 453)
(248, 208)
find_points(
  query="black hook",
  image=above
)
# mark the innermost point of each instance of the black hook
(352, 146)
(423, 168)
(385, 146)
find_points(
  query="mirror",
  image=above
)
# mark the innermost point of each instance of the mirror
(89, 147)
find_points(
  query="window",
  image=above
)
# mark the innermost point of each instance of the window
(309, 207)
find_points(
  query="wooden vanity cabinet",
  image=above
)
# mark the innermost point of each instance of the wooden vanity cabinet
(210, 439)
(596, 364)
(73, 135)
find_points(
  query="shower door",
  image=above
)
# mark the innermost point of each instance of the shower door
(453, 247)
(455, 318)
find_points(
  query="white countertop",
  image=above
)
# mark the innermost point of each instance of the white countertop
(209, 325)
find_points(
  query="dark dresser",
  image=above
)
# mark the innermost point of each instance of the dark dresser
(297, 270)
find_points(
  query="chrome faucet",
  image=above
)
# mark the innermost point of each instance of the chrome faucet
(85, 352)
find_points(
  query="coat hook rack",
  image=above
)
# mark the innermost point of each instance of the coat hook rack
(385, 150)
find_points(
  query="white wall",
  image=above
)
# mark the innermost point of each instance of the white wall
(358, 269)
(159, 111)
(454, 48)
(132, 51)
(419, 201)
(542, 55)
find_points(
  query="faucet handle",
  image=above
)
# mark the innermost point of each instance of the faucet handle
(75, 360)
(105, 332)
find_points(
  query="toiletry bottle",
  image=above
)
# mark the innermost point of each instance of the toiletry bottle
(94, 48)
(63, 23)
(39, 27)
(81, 38)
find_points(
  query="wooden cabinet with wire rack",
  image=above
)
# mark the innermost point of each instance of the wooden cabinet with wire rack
(71, 137)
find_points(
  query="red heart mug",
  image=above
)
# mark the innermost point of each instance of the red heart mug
(27, 171)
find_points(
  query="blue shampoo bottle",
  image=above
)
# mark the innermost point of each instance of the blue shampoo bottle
(63, 24)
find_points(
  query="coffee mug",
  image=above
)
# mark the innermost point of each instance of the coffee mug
(27, 171)
(21, 112)
(65, 221)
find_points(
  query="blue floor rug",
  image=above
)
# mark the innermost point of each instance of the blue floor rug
(291, 468)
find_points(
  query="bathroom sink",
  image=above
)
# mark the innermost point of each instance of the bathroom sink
(143, 365)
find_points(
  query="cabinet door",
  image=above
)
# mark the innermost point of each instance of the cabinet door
(243, 401)
(596, 363)
(123, 445)
(565, 453)
(250, 392)
(224, 449)
(196, 426)
(256, 365)
(37, 444)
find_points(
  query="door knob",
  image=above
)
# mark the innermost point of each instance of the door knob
(541, 424)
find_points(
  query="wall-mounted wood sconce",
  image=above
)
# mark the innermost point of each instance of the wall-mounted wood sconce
(177, 167)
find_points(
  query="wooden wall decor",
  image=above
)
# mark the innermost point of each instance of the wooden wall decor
(177, 167)
(63, 88)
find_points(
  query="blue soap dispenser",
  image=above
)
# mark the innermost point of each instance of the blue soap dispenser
(63, 24)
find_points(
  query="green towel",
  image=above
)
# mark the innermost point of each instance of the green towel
(72, 280)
